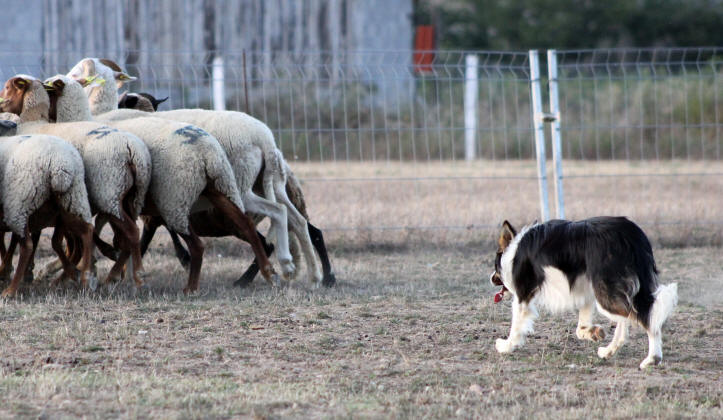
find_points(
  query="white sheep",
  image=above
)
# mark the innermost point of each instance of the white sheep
(249, 145)
(117, 164)
(43, 185)
(146, 102)
(188, 163)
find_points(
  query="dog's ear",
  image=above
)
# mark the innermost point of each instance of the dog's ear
(506, 235)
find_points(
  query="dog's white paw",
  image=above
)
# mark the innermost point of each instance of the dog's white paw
(504, 346)
(590, 332)
(650, 361)
(604, 352)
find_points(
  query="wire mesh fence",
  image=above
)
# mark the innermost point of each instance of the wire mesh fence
(647, 124)
(378, 137)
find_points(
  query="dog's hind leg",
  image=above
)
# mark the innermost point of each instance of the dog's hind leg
(655, 348)
(523, 316)
(585, 328)
(621, 334)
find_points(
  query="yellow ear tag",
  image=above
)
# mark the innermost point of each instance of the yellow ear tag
(2, 99)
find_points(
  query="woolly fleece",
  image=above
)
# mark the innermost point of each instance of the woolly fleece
(33, 170)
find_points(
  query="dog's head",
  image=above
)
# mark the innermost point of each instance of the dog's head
(506, 235)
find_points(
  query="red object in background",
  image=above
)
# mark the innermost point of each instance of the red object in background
(423, 46)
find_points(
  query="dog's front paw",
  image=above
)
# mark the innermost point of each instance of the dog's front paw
(504, 346)
(650, 361)
(592, 333)
(604, 352)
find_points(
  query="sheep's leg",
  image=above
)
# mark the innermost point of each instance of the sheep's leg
(181, 253)
(244, 226)
(119, 238)
(195, 248)
(29, 278)
(82, 230)
(56, 241)
(298, 225)
(278, 215)
(248, 276)
(105, 248)
(6, 269)
(26, 253)
(150, 225)
(3, 250)
(317, 238)
(126, 231)
(295, 248)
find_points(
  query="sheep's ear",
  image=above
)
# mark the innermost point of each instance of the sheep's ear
(123, 77)
(157, 102)
(21, 83)
(55, 86)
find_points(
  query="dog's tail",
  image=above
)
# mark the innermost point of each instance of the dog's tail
(666, 298)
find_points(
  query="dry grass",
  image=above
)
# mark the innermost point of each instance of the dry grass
(670, 206)
(406, 334)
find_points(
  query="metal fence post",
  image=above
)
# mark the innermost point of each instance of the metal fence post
(470, 106)
(219, 94)
(556, 140)
(538, 126)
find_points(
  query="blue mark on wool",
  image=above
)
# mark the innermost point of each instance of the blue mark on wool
(191, 133)
(101, 132)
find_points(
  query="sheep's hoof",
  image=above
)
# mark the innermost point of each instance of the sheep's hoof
(28, 277)
(288, 269)
(276, 281)
(8, 293)
(329, 280)
(188, 291)
(245, 280)
(6, 273)
(92, 282)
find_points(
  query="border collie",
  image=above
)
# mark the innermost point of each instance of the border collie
(603, 261)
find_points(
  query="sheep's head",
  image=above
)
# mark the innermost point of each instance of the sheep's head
(24, 95)
(140, 101)
(55, 87)
(68, 101)
(11, 97)
(90, 72)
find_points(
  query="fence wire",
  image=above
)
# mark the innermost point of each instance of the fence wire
(378, 136)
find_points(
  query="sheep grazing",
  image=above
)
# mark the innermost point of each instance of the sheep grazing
(245, 158)
(42, 185)
(117, 164)
(190, 172)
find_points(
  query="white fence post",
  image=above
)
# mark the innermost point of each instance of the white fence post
(219, 92)
(556, 140)
(470, 106)
(538, 126)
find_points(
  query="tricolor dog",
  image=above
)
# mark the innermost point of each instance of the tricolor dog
(603, 262)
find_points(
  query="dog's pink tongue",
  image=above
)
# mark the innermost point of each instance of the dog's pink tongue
(500, 294)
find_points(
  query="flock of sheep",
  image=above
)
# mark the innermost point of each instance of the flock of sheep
(69, 154)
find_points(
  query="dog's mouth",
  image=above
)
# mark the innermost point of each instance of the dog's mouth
(499, 295)
(495, 279)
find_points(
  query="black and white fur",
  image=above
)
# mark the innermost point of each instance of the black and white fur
(603, 261)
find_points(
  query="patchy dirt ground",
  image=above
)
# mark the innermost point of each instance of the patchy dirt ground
(407, 333)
